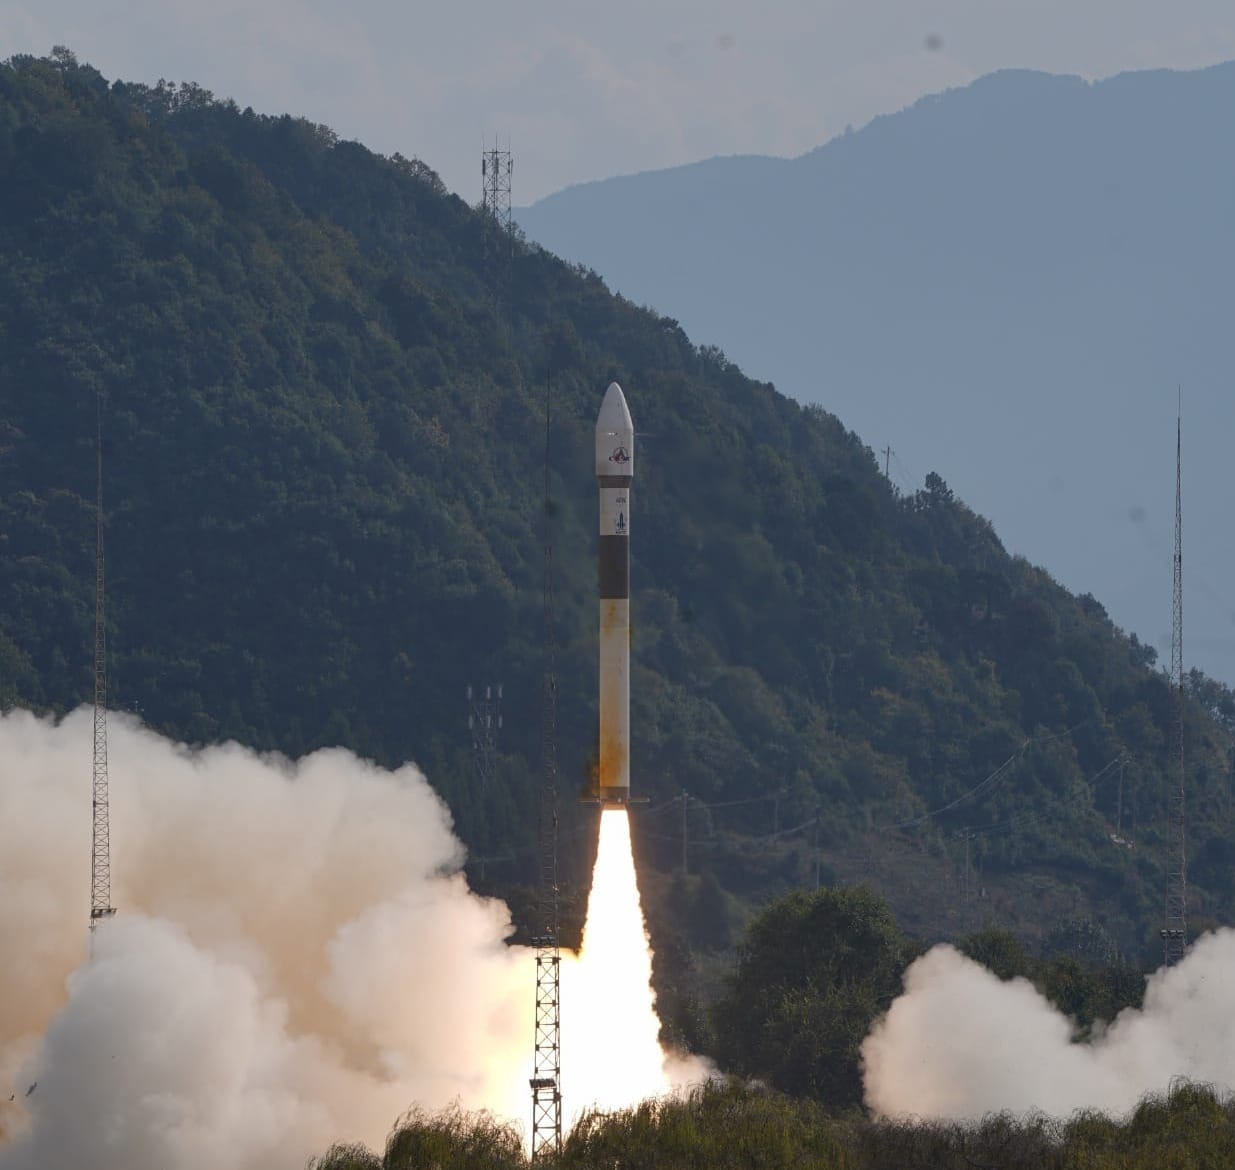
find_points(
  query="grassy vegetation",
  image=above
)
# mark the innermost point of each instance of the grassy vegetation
(723, 1126)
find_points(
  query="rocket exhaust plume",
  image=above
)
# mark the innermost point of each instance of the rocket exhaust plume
(960, 1043)
(300, 958)
(611, 1051)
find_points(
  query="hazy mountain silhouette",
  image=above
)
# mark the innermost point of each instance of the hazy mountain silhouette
(1006, 283)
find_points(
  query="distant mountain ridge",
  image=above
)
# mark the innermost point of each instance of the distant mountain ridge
(1005, 283)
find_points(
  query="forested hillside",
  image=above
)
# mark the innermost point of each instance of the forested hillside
(324, 467)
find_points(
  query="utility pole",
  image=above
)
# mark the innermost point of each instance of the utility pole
(1175, 930)
(685, 810)
(816, 841)
(484, 721)
(887, 462)
(100, 854)
(1119, 801)
(547, 1059)
(1230, 782)
(968, 835)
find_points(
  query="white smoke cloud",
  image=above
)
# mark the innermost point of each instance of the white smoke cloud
(959, 1043)
(296, 960)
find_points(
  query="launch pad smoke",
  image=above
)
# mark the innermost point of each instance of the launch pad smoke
(960, 1043)
(296, 961)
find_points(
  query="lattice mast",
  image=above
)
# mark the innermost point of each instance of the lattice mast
(484, 721)
(100, 856)
(1174, 931)
(547, 1065)
(496, 173)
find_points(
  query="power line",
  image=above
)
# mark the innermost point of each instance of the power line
(1024, 819)
(904, 476)
(767, 796)
(982, 786)
(988, 782)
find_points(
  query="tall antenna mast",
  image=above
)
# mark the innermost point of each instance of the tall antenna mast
(1175, 932)
(547, 1065)
(496, 173)
(100, 858)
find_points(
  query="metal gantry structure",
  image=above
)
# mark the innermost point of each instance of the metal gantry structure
(1175, 930)
(100, 856)
(547, 1064)
(484, 721)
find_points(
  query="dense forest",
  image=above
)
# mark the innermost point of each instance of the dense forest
(323, 387)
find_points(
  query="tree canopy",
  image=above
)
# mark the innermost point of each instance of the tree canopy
(813, 973)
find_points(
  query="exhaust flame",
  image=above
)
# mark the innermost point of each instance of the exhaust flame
(611, 1052)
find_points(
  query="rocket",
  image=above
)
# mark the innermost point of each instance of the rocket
(615, 471)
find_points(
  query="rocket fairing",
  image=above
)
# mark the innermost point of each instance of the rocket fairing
(615, 471)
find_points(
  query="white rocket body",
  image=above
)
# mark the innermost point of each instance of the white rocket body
(615, 467)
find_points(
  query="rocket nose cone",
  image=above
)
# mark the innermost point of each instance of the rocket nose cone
(614, 414)
(615, 435)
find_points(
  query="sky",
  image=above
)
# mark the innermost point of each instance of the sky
(582, 90)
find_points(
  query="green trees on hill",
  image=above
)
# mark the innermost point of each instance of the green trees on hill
(1087, 985)
(323, 453)
(813, 973)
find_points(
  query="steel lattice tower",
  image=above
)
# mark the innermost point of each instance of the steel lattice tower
(1174, 931)
(484, 720)
(496, 172)
(100, 858)
(547, 1064)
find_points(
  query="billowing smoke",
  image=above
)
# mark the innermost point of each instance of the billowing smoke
(296, 961)
(959, 1043)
